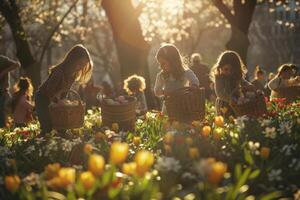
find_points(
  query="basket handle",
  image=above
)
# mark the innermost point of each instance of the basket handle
(73, 92)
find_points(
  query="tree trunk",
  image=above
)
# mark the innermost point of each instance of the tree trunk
(10, 11)
(238, 42)
(131, 47)
(240, 22)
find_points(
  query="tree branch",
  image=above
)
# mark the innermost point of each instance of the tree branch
(225, 11)
(55, 30)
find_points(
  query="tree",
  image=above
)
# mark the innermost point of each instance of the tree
(239, 18)
(131, 46)
(10, 11)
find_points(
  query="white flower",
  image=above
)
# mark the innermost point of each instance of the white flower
(167, 164)
(265, 122)
(202, 167)
(295, 164)
(254, 147)
(285, 127)
(287, 149)
(188, 175)
(275, 175)
(240, 121)
(270, 132)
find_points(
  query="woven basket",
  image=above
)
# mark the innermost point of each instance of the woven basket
(289, 93)
(186, 104)
(67, 116)
(254, 108)
(124, 114)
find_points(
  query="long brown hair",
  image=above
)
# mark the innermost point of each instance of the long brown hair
(24, 87)
(232, 58)
(170, 53)
(77, 55)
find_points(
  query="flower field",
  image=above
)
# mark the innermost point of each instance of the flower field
(241, 158)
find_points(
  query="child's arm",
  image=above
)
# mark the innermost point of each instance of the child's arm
(159, 84)
(274, 83)
(221, 89)
(294, 81)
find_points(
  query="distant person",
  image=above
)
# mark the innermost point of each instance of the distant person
(89, 94)
(259, 79)
(284, 78)
(202, 72)
(75, 66)
(173, 75)
(267, 89)
(228, 76)
(22, 104)
(6, 65)
(135, 86)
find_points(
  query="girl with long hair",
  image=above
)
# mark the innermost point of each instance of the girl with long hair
(76, 66)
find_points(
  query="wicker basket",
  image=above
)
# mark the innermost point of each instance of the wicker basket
(123, 114)
(254, 108)
(289, 93)
(186, 104)
(67, 116)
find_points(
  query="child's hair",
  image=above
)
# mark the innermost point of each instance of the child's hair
(134, 83)
(24, 87)
(232, 58)
(295, 69)
(196, 58)
(258, 71)
(77, 53)
(170, 53)
(283, 68)
(271, 76)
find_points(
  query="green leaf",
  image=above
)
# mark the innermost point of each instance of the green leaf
(273, 195)
(254, 174)
(237, 171)
(248, 157)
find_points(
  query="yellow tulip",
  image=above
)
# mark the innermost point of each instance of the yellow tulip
(67, 176)
(218, 133)
(218, 169)
(115, 127)
(219, 121)
(118, 152)
(129, 168)
(189, 141)
(96, 164)
(265, 152)
(144, 160)
(12, 183)
(87, 149)
(136, 141)
(87, 179)
(51, 170)
(206, 131)
(193, 153)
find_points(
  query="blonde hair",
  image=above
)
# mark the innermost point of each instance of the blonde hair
(69, 64)
(134, 83)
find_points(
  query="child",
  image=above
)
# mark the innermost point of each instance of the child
(6, 65)
(228, 76)
(22, 104)
(135, 86)
(173, 75)
(259, 79)
(284, 78)
(76, 66)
